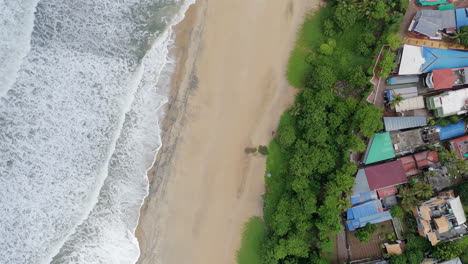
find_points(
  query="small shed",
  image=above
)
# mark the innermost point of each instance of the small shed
(451, 130)
(394, 248)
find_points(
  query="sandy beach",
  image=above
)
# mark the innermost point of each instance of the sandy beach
(228, 93)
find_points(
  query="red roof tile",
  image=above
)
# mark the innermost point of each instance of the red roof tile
(426, 158)
(389, 191)
(460, 146)
(443, 78)
(409, 165)
(385, 175)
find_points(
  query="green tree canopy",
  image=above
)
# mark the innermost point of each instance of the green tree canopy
(364, 233)
(447, 250)
(368, 119)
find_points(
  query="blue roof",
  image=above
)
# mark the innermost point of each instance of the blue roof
(462, 17)
(362, 210)
(452, 130)
(359, 198)
(443, 59)
(373, 219)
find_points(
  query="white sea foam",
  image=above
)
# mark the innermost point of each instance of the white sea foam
(79, 128)
(16, 25)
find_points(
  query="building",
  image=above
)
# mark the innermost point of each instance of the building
(373, 193)
(441, 218)
(451, 130)
(446, 78)
(410, 104)
(405, 93)
(368, 212)
(417, 60)
(460, 145)
(431, 22)
(449, 103)
(410, 141)
(379, 148)
(401, 123)
(414, 164)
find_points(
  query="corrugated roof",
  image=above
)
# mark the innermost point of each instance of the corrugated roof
(359, 198)
(360, 184)
(385, 175)
(373, 219)
(426, 27)
(380, 148)
(405, 93)
(452, 130)
(461, 17)
(399, 123)
(443, 78)
(431, 2)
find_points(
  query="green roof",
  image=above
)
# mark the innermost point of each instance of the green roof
(447, 7)
(430, 3)
(380, 148)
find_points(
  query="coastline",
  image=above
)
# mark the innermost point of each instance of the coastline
(181, 218)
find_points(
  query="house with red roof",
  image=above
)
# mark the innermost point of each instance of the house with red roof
(385, 175)
(460, 145)
(413, 164)
(446, 78)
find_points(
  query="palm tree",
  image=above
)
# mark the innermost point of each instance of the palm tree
(396, 100)
(423, 190)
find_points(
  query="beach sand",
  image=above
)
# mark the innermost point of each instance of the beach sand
(229, 92)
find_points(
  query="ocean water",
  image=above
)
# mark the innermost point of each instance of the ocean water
(82, 86)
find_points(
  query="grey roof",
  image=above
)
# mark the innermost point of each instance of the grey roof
(426, 27)
(399, 123)
(443, 19)
(361, 185)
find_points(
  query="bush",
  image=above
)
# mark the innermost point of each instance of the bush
(249, 150)
(397, 212)
(387, 64)
(263, 150)
(394, 40)
(286, 136)
(364, 233)
(447, 250)
(398, 259)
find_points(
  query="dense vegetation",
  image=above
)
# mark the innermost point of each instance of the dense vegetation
(310, 159)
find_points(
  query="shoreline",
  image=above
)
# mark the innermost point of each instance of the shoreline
(159, 223)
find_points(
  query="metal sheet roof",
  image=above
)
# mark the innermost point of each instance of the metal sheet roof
(361, 185)
(452, 130)
(380, 148)
(399, 123)
(385, 175)
(443, 59)
(426, 27)
(461, 15)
